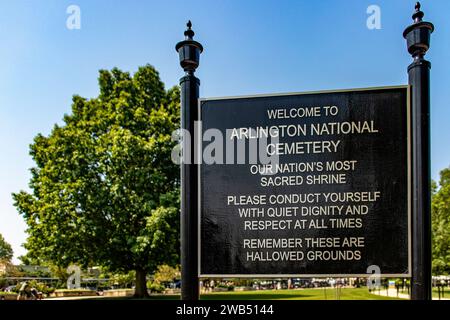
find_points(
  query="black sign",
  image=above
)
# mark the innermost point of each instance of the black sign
(326, 193)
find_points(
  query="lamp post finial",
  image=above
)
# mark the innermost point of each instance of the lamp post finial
(418, 14)
(189, 33)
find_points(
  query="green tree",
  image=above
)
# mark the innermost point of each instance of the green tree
(441, 224)
(122, 280)
(105, 191)
(166, 273)
(6, 251)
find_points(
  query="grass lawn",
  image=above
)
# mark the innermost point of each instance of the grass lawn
(446, 293)
(303, 294)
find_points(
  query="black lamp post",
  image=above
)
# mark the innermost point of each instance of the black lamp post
(189, 52)
(417, 37)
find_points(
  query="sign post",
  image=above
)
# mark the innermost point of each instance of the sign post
(189, 53)
(417, 36)
(349, 167)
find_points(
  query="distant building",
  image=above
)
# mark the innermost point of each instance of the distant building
(33, 269)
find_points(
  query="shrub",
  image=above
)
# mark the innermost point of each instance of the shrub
(155, 287)
(41, 287)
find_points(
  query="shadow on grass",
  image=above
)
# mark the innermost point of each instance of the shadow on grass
(254, 296)
(307, 294)
(225, 296)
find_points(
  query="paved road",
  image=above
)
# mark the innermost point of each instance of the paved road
(75, 298)
(393, 293)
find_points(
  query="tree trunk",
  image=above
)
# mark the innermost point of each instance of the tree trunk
(141, 284)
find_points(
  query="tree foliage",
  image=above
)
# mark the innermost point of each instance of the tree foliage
(166, 273)
(104, 188)
(441, 224)
(6, 251)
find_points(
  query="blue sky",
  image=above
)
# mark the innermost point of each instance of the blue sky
(251, 47)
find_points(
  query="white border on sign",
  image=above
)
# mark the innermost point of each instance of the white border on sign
(346, 275)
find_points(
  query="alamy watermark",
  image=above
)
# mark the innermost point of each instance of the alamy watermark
(255, 146)
(374, 280)
(73, 21)
(373, 22)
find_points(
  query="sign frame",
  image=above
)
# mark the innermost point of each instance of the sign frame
(345, 275)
